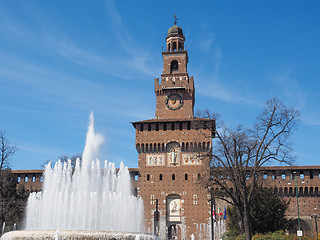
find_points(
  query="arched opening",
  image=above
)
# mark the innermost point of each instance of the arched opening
(173, 232)
(173, 215)
(311, 191)
(174, 46)
(293, 227)
(174, 66)
(291, 192)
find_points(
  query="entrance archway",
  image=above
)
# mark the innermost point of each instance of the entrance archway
(304, 226)
(174, 232)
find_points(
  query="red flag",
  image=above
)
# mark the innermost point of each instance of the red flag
(213, 214)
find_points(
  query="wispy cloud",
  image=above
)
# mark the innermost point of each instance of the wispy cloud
(39, 149)
(214, 86)
(289, 88)
(140, 58)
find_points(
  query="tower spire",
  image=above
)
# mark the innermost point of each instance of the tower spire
(175, 19)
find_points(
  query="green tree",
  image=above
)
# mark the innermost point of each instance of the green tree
(239, 155)
(267, 214)
(12, 200)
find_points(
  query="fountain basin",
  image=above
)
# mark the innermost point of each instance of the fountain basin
(74, 235)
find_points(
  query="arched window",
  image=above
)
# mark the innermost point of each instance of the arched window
(174, 46)
(174, 66)
(311, 191)
(301, 191)
(291, 192)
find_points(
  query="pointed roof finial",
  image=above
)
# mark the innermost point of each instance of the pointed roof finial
(175, 19)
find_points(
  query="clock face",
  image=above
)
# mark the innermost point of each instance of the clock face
(174, 101)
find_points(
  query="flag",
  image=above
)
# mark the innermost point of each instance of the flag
(213, 214)
(219, 211)
(225, 213)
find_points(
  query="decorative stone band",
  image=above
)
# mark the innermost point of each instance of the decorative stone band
(155, 160)
(191, 159)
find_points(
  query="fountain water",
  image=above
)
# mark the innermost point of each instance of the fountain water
(84, 198)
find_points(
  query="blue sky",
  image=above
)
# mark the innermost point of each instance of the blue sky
(60, 60)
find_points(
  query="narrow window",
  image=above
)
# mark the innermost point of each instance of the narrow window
(302, 176)
(180, 125)
(172, 126)
(283, 176)
(165, 127)
(41, 179)
(160, 177)
(141, 127)
(157, 126)
(173, 177)
(186, 176)
(174, 66)
(148, 177)
(199, 175)
(19, 179)
(195, 199)
(149, 126)
(33, 179)
(152, 199)
(136, 178)
(311, 174)
(188, 125)
(26, 179)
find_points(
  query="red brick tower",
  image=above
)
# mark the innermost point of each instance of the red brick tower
(169, 147)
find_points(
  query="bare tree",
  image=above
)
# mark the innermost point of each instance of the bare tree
(66, 158)
(239, 155)
(6, 150)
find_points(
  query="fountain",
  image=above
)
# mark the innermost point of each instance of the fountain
(84, 202)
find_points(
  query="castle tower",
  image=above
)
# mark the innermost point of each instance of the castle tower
(169, 147)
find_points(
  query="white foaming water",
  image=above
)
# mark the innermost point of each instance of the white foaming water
(88, 198)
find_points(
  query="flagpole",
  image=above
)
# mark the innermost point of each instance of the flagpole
(211, 216)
